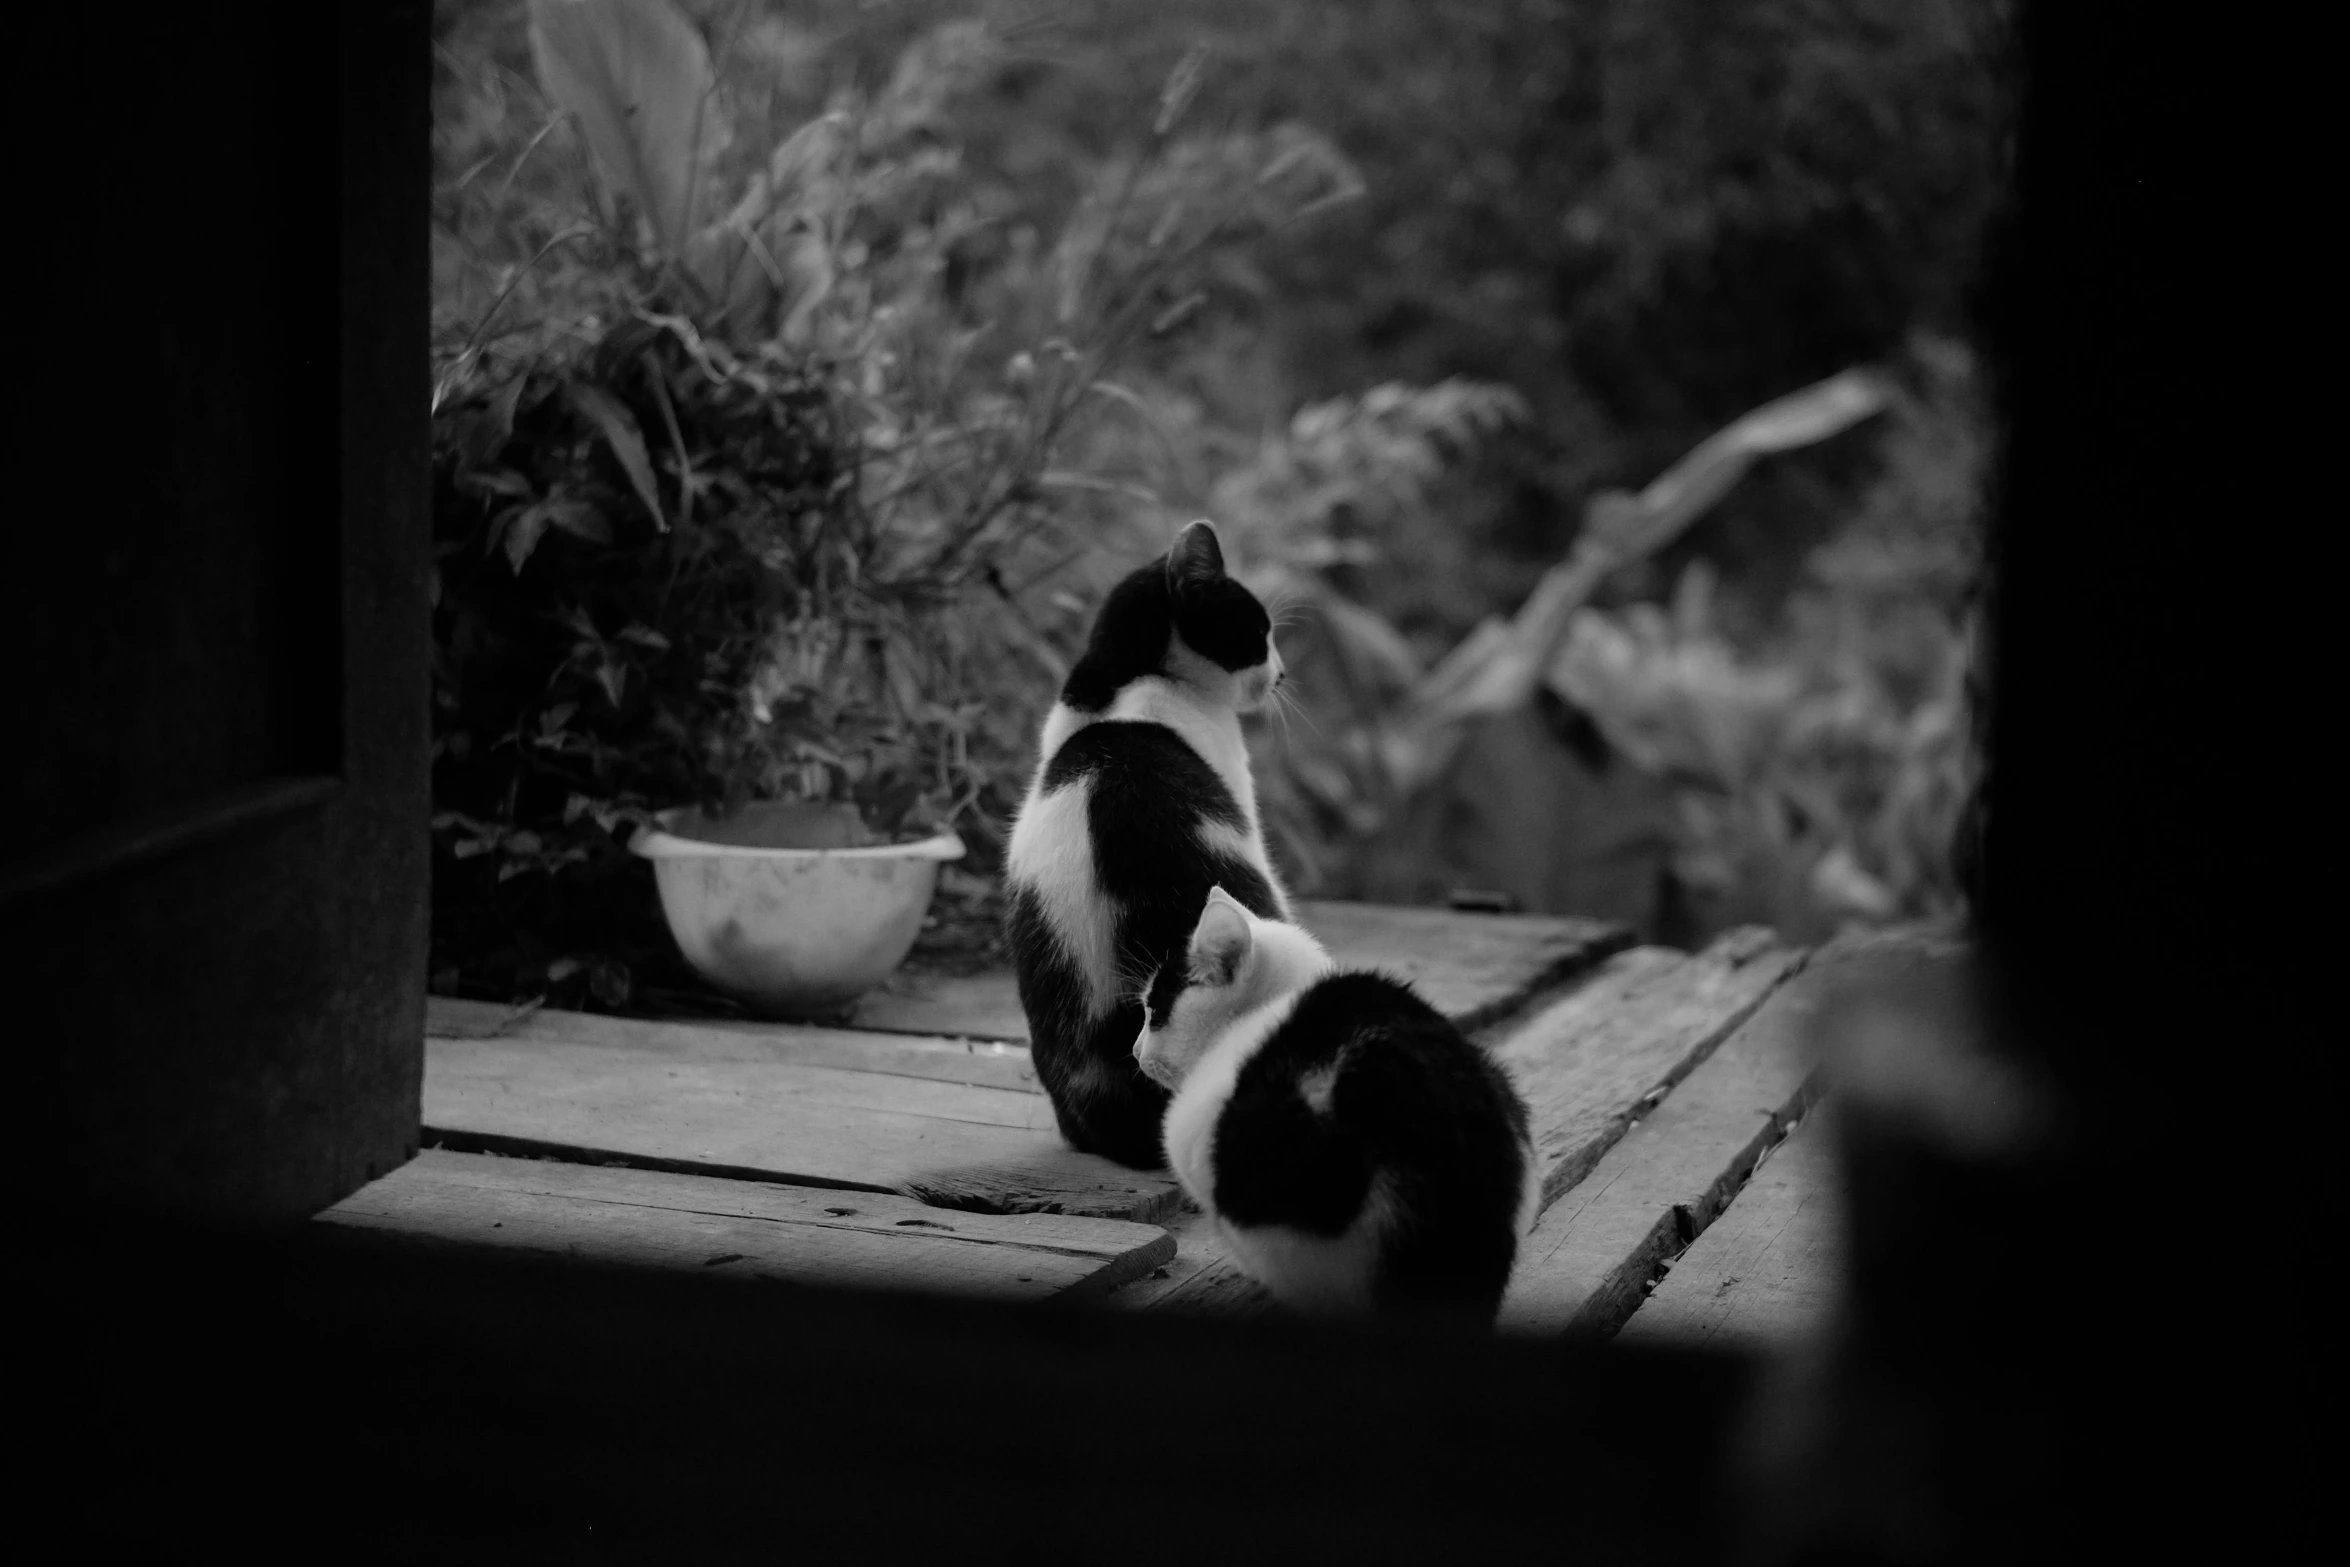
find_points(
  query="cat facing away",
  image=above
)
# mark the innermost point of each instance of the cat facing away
(1357, 1153)
(1141, 801)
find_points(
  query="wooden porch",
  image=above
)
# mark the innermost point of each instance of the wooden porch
(914, 1149)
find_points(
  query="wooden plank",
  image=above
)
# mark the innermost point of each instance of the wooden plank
(1219, 1290)
(952, 1006)
(740, 1229)
(975, 1062)
(957, 1122)
(1043, 1181)
(1592, 1061)
(1472, 967)
(1196, 1246)
(1764, 1275)
(1200, 1280)
(1595, 1250)
(1216, 1288)
(766, 1106)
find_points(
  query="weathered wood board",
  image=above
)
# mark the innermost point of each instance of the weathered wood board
(1472, 967)
(1593, 1060)
(810, 1107)
(1219, 1289)
(959, 1121)
(1196, 1246)
(972, 1060)
(1595, 1249)
(952, 1006)
(746, 1229)
(1200, 1280)
(1764, 1275)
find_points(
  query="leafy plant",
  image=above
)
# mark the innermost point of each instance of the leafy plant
(748, 480)
(790, 461)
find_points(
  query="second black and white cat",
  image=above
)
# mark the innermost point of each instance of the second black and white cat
(1357, 1153)
(1140, 803)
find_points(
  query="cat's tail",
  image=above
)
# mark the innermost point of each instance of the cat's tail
(1103, 1103)
(1124, 1124)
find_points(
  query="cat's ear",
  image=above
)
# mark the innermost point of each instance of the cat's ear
(1196, 558)
(1221, 941)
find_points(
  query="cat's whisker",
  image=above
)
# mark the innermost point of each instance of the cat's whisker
(1296, 704)
(1287, 610)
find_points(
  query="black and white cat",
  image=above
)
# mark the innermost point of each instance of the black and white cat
(1357, 1153)
(1141, 802)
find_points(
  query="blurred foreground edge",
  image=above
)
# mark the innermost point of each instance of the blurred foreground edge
(207, 1377)
(439, 1395)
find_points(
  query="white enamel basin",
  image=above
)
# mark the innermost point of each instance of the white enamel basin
(790, 932)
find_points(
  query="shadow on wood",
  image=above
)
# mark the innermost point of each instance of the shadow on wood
(463, 1396)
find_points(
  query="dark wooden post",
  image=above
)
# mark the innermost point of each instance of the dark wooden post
(213, 905)
(2038, 1345)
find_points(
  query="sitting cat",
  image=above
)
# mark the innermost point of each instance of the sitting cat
(1355, 1150)
(1140, 803)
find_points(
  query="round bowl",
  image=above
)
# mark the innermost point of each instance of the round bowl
(789, 931)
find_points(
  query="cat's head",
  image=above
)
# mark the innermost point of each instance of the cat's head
(1223, 637)
(1184, 617)
(1234, 966)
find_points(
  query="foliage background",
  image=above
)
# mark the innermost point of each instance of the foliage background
(1582, 234)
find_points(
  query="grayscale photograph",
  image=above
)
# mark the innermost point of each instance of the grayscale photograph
(1118, 780)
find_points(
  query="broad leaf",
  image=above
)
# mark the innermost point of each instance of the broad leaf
(580, 519)
(638, 77)
(520, 528)
(495, 481)
(487, 429)
(619, 428)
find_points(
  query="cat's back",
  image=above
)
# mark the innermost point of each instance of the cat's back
(1138, 811)
(1369, 1120)
(1149, 772)
(1366, 1052)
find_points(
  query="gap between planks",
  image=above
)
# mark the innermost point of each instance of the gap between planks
(1766, 1274)
(1597, 1250)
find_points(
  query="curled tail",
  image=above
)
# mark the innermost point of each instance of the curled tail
(1085, 1061)
(1101, 1098)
